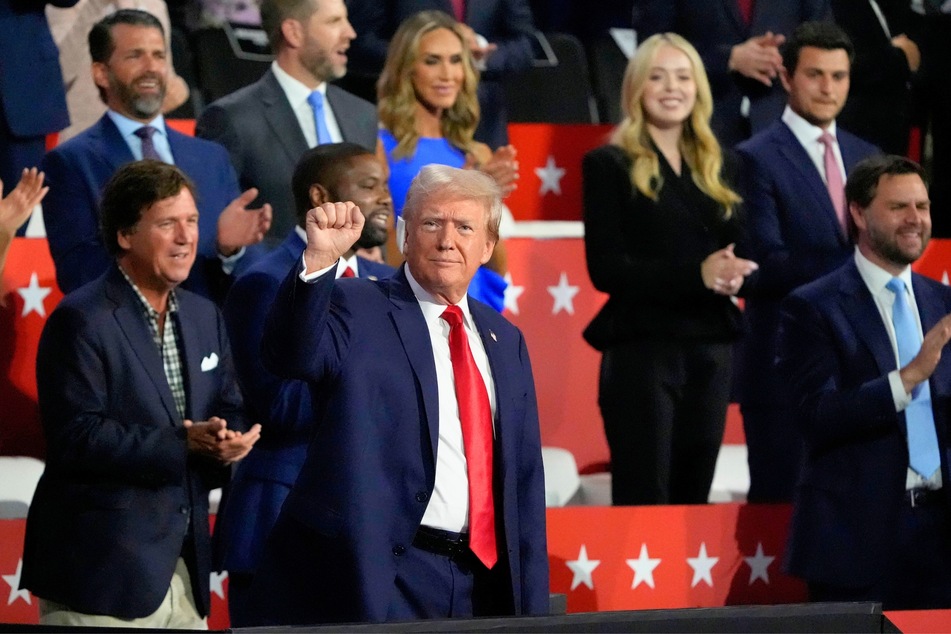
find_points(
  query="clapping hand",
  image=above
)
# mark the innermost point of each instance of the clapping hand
(723, 272)
(239, 226)
(213, 439)
(19, 203)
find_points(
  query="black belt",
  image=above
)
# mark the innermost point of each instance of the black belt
(923, 497)
(440, 542)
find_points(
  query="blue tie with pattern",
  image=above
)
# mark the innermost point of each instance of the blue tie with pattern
(923, 454)
(316, 101)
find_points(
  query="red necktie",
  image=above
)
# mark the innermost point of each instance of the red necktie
(476, 418)
(746, 10)
(459, 10)
(348, 272)
(834, 179)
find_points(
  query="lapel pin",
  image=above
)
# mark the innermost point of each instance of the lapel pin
(494, 338)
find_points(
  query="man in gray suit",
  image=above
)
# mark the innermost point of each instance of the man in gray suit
(268, 125)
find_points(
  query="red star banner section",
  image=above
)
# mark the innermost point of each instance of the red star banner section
(28, 293)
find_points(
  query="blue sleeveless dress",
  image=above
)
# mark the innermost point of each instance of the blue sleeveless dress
(487, 285)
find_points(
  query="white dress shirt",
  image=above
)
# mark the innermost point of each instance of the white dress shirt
(808, 136)
(297, 94)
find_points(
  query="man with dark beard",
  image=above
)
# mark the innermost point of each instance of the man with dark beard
(327, 173)
(293, 106)
(871, 397)
(130, 69)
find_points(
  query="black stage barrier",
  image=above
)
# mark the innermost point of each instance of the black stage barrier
(812, 617)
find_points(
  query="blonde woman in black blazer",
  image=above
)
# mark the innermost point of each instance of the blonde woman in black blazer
(660, 223)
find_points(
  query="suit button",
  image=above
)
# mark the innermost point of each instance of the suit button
(422, 496)
(183, 510)
(399, 550)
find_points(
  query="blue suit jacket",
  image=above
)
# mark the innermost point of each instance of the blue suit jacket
(120, 489)
(77, 172)
(507, 23)
(714, 27)
(283, 407)
(32, 97)
(794, 235)
(365, 349)
(835, 354)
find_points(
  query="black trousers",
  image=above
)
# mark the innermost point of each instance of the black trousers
(664, 409)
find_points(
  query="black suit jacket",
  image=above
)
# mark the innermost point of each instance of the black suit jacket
(260, 131)
(879, 104)
(646, 255)
(120, 490)
(835, 355)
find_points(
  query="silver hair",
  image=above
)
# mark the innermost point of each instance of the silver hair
(434, 182)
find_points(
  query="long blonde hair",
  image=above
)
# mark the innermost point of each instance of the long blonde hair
(698, 145)
(396, 97)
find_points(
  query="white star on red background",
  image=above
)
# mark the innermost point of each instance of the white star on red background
(33, 296)
(759, 564)
(216, 580)
(564, 295)
(702, 566)
(643, 568)
(550, 176)
(512, 293)
(14, 582)
(582, 567)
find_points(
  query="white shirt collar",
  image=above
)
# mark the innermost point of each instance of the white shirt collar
(433, 308)
(807, 133)
(127, 126)
(875, 277)
(297, 93)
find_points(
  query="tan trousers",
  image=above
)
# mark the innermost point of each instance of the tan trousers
(177, 610)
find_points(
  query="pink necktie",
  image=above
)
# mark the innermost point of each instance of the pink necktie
(475, 414)
(834, 179)
(459, 10)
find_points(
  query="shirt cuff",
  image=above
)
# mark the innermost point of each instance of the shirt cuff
(310, 278)
(901, 398)
(228, 262)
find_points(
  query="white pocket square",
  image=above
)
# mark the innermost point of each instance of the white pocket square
(209, 363)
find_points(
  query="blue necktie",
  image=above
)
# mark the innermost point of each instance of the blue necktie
(316, 101)
(923, 454)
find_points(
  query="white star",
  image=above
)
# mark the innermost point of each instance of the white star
(944, 278)
(551, 176)
(643, 568)
(512, 293)
(216, 580)
(702, 565)
(759, 564)
(14, 582)
(582, 567)
(33, 296)
(563, 294)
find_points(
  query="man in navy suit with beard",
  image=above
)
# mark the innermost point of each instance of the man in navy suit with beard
(130, 68)
(326, 173)
(861, 349)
